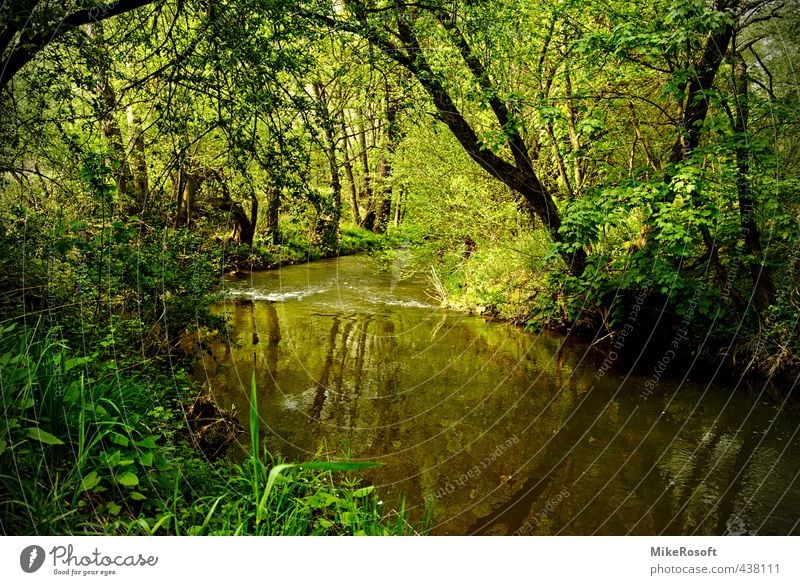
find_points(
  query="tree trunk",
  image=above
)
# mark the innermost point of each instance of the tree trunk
(273, 215)
(253, 216)
(327, 123)
(140, 188)
(348, 170)
(383, 210)
(520, 176)
(694, 111)
(398, 207)
(574, 139)
(192, 185)
(106, 106)
(369, 217)
(763, 288)
(328, 213)
(180, 185)
(243, 230)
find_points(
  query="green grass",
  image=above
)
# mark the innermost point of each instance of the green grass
(86, 449)
(355, 239)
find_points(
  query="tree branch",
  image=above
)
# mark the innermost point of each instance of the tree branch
(29, 46)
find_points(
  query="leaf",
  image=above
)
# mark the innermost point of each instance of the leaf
(161, 462)
(72, 362)
(111, 458)
(2, 446)
(271, 478)
(43, 436)
(128, 479)
(119, 439)
(322, 500)
(146, 458)
(365, 491)
(339, 465)
(113, 508)
(89, 481)
(137, 496)
(24, 404)
(148, 442)
(321, 465)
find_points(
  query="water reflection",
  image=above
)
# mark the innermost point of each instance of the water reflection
(504, 432)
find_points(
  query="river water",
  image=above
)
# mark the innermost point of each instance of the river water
(499, 430)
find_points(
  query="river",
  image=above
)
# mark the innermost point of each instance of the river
(501, 431)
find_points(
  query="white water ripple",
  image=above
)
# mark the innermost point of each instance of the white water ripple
(275, 297)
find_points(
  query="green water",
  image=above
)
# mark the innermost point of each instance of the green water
(504, 432)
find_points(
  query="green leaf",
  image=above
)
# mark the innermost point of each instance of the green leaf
(339, 465)
(148, 442)
(128, 479)
(72, 362)
(2, 446)
(24, 404)
(111, 458)
(161, 462)
(365, 491)
(43, 436)
(137, 496)
(322, 500)
(118, 439)
(348, 517)
(321, 465)
(113, 508)
(146, 458)
(89, 481)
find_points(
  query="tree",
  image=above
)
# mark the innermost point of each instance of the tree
(396, 30)
(28, 26)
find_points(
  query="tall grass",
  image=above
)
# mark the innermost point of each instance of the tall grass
(85, 450)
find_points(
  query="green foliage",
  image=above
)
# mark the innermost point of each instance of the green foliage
(84, 449)
(357, 239)
(79, 442)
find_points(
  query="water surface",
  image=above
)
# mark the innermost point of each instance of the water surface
(502, 431)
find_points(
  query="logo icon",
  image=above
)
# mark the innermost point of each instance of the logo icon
(31, 558)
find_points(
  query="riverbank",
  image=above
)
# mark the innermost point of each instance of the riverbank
(103, 432)
(636, 317)
(87, 448)
(293, 249)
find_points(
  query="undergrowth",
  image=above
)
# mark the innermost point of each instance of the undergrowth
(88, 449)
